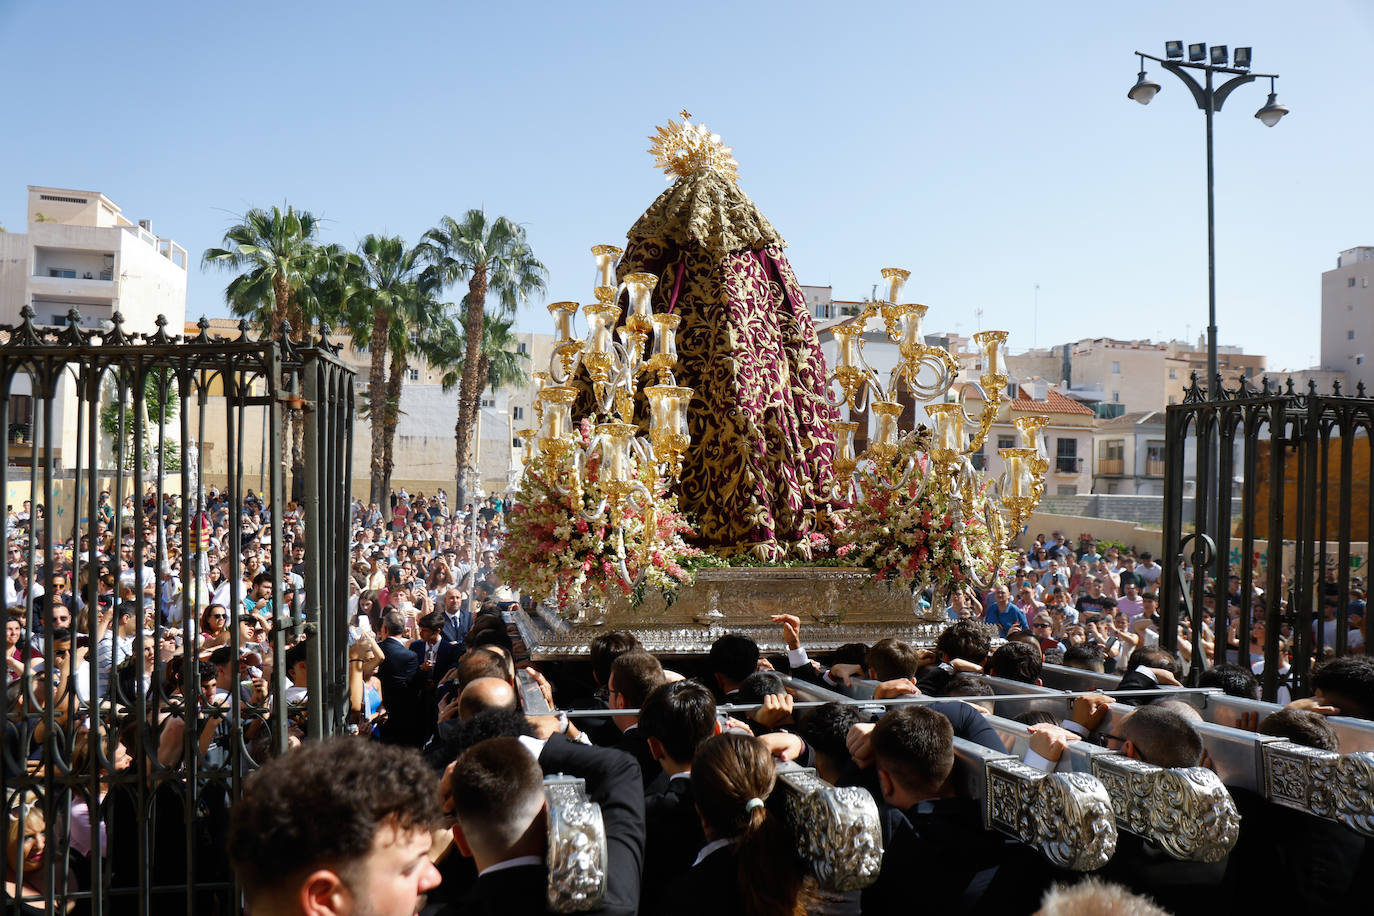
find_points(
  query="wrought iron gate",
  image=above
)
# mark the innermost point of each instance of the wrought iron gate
(1301, 464)
(107, 411)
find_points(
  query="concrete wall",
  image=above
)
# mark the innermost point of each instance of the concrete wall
(1072, 525)
(14, 274)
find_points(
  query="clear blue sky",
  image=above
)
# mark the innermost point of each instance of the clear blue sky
(985, 146)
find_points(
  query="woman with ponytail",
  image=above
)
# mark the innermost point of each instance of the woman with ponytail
(748, 866)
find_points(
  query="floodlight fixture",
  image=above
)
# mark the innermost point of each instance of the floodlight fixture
(1197, 51)
(1219, 55)
(1241, 58)
(1173, 50)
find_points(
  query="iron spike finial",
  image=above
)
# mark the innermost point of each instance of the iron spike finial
(1336, 387)
(1312, 386)
(1359, 388)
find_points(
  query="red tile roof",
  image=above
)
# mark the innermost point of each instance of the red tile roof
(1053, 403)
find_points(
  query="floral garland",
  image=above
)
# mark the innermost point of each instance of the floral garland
(552, 551)
(910, 534)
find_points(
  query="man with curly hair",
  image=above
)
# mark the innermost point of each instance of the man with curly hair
(337, 828)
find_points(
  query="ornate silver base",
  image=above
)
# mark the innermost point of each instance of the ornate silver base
(836, 606)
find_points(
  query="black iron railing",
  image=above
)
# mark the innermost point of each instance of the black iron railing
(132, 415)
(1301, 465)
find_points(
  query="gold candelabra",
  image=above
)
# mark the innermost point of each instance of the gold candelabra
(941, 454)
(611, 359)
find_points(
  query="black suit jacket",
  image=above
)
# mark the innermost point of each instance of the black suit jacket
(1179, 887)
(674, 839)
(452, 633)
(446, 655)
(937, 858)
(636, 745)
(613, 782)
(399, 673)
(709, 888)
(1134, 680)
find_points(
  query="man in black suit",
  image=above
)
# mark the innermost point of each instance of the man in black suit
(456, 619)
(1165, 738)
(634, 675)
(1149, 669)
(676, 720)
(497, 794)
(436, 653)
(733, 658)
(400, 675)
(932, 840)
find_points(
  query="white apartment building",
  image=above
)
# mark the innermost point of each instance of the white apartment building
(1348, 317)
(80, 252)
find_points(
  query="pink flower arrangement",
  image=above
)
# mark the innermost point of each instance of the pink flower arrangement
(552, 551)
(912, 538)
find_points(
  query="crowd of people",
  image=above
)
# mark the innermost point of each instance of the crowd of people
(436, 802)
(1091, 606)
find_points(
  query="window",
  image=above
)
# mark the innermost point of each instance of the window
(62, 273)
(1066, 456)
(1173, 373)
(1359, 359)
(1154, 459)
(517, 413)
(1116, 368)
(978, 460)
(516, 443)
(1116, 397)
(1113, 449)
(1350, 282)
(1349, 335)
(522, 347)
(1006, 442)
(488, 402)
(1172, 399)
(413, 374)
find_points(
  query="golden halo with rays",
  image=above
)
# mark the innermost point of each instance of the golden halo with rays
(681, 149)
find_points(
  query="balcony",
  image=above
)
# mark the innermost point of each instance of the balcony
(1154, 467)
(92, 286)
(1064, 465)
(1111, 467)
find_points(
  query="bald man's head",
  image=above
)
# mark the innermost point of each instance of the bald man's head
(484, 694)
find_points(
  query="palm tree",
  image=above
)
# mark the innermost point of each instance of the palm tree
(500, 363)
(493, 256)
(381, 319)
(275, 255)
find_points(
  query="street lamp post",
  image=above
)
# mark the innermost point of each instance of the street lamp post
(1209, 98)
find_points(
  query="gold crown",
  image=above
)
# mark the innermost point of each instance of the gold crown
(681, 149)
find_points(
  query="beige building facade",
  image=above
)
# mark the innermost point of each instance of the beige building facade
(1348, 317)
(80, 252)
(425, 445)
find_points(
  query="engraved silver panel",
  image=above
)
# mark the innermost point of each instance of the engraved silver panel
(1067, 816)
(836, 828)
(1335, 786)
(577, 846)
(1187, 812)
(836, 605)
